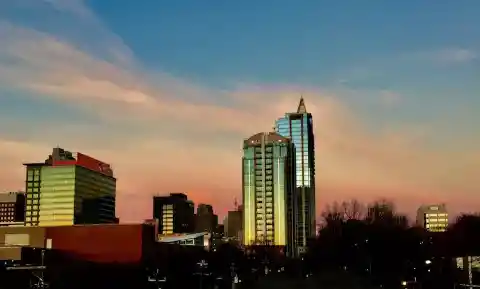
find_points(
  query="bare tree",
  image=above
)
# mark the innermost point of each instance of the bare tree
(353, 210)
(333, 214)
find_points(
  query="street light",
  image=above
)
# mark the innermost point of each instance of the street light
(154, 278)
(234, 275)
(428, 262)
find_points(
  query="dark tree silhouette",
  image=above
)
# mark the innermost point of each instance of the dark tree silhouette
(353, 210)
(376, 242)
(464, 235)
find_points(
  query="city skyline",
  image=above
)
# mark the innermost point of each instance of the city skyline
(167, 100)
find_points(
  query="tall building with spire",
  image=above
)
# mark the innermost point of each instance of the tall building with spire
(298, 127)
(268, 187)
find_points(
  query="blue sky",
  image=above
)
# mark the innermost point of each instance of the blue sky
(289, 41)
(393, 85)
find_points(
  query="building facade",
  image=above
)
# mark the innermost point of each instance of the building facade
(233, 223)
(12, 209)
(205, 219)
(268, 187)
(69, 189)
(298, 127)
(434, 218)
(175, 214)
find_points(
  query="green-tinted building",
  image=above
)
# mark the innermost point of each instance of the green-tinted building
(268, 186)
(69, 189)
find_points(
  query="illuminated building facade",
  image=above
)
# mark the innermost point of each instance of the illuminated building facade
(175, 214)
(268, 180)
(69, 189)
(434, 218)
(12, 209)
(298, 127)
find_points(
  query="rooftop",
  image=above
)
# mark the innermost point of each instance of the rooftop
(301, 106)
(9, 197)
(61, 157)
(268, 137)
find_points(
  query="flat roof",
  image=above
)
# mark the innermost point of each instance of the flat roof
(8, 198)
(179, 237)
(77, 165)
(35, 164)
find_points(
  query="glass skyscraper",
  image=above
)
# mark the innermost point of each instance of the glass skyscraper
(298, 127)
(268, 187)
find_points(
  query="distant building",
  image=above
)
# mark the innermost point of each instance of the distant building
(298, 127)
(433, 218)
(175, 213)
(12, 209)
(225, 226)
(69, 188)
(205, 219)
(234, 223)
(268, 180)
(220, 231)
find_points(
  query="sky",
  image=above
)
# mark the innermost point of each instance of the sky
(166, 91)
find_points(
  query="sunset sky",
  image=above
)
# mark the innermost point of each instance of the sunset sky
(166, 91)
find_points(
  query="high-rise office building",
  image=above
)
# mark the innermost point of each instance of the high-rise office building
(434, 218)
(175, 214)
(12, 209)
(68, 189)
(298, 127)
(268, 185)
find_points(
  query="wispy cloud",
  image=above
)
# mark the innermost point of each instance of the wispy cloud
(448, 56)
(394, 68)
(165, 134)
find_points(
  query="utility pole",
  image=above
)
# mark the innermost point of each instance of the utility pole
(233, 275)
(470, 276)
(37, 272)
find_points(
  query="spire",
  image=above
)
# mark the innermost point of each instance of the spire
(301, 106)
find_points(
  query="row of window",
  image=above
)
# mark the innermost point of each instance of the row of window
(267, 228)
(268, 233)
(31, 172)
(436, 220)
(6, 205)
(31, 178)
(261, 221)
(259, 210)
(268, 206)
(430, 215)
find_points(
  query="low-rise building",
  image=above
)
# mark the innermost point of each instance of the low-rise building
(434, 218)
(103, 243)
(12, 209)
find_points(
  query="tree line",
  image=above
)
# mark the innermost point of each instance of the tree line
(377, 242)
